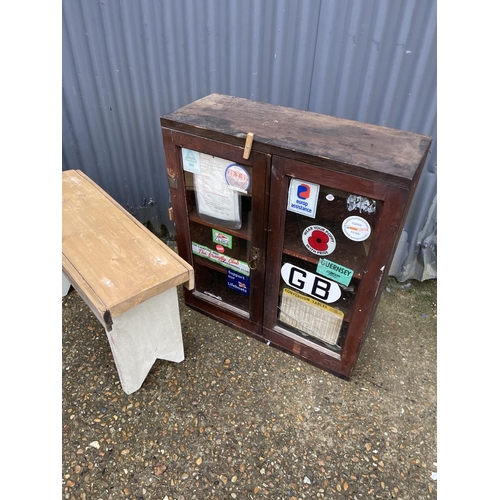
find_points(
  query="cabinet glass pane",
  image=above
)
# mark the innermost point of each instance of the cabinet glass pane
(219, 200)
(327, 238)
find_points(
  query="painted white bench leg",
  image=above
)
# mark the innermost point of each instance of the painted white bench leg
(139, 336)
(65, 285)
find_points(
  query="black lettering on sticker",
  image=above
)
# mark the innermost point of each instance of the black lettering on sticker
(299, 283)
(320, 288)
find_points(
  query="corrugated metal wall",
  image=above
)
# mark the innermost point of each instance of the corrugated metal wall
(125, 63)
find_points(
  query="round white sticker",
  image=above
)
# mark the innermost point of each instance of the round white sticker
(356, 228)
(318, 240)
(237, 178)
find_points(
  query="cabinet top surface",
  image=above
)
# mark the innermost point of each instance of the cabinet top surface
(372, 149)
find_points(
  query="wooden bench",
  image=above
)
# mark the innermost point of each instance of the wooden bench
(125, 274)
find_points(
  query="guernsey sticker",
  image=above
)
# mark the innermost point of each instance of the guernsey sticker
(356, 228)
(303, 197)
(318, 240)
(335, 271)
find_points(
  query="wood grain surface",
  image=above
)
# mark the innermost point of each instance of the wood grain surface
(112, 260)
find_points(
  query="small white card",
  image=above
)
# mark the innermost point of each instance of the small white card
(191, 161)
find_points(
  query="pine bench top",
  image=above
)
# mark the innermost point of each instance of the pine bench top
(111, 259)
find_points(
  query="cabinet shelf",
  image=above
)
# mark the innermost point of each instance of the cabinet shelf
(199, 261)
(244, 232)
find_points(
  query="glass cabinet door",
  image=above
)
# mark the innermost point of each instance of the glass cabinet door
(225, 198)
(319, 246)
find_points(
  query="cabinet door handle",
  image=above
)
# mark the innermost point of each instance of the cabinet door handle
(253, 262)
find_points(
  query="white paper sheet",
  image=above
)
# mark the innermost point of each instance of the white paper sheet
(213, 196)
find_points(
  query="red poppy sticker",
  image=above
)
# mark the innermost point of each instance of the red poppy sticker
(318, 240)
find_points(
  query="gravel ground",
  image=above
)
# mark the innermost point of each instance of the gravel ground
(239, 419)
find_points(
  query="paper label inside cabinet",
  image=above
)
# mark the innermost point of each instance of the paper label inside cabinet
(335, 271)
(223, 260)
(310, 316)
(303, 197)
(213, 195)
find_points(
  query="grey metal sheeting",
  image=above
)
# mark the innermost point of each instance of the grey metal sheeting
(126, 63)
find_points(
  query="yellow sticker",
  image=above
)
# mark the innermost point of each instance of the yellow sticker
(314, 302)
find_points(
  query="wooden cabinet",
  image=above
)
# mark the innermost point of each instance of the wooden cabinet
(292, 244)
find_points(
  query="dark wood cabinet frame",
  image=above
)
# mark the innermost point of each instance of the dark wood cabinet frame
(375, 162)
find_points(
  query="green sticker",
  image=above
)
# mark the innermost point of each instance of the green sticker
(224, 239)
(335, 271)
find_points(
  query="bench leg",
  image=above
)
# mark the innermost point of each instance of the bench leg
(65, 286)
(139, 336)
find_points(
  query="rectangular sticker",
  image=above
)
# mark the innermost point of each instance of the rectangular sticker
(303, 197)
(191, 161)
(223, 260)
(335, 271)
(238, 282)
(223, 239)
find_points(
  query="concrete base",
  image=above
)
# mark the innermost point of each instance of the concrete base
(143, 334)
